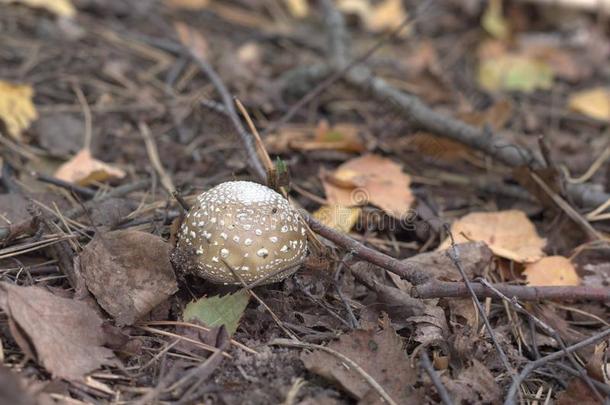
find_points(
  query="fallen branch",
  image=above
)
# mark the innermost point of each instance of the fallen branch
(446, 289)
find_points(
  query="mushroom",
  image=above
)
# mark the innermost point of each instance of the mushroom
(246, 226)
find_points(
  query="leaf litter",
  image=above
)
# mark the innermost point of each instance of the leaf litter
(157, 325)
(65, 335)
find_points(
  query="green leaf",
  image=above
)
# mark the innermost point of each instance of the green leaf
(280, 166)
(215, 311)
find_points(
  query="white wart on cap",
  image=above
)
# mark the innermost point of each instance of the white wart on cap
(247, 226)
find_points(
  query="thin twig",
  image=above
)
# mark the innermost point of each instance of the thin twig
(260, 147)
(351, 363)
(455, 258)
(254, 164)
(512, 391)
(567, 208)
(260, 301)
(87, 114)
(438, 384)
(549, 330)
(153, 156)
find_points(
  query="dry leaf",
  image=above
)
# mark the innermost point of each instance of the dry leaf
(384, 16)
(343, 137)
(475, 384)
(594, 103)
(509, 234)
(338, 217)
(494, 22)
(83, 169)
(16, 108)
(495, 116)
(128, 272)
(376, 180)
(187, 4)
(552, 270)
(65, 335)
(61, 8)
(430, 327)
(380, 354)
(298, 8)
(514, 72)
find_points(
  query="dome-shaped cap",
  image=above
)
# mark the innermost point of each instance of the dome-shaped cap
(247, 225)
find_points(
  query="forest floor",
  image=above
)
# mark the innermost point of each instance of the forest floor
(450, 158)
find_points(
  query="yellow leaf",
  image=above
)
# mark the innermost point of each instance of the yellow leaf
(493, 20)
(552, 270)
(509, 234)
(16, 108)
(338, 217)
(298, 8)
(61, 8)
(371, 179)
(187, 4)
(83, 169)
(594, 103)
(513, 72)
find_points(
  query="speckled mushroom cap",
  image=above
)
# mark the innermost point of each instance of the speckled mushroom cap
(247, 225)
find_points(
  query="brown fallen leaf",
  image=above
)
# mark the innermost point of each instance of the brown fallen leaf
(552, 270)
(377, 180)
(378, 353)
(128, 272)
(17, 111)
(430, 327)
(84, 169)
(474, 384)
(509, 234)
(343, 137)
(577, 392)
(64, 335)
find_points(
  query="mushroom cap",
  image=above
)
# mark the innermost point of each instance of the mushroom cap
(247, 226)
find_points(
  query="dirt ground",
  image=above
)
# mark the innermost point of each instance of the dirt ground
(395, 127)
